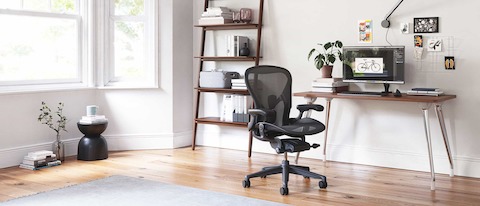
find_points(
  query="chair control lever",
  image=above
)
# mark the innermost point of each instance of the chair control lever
(314, 146)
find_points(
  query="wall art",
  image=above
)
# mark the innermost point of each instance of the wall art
(365, 31)
(434, 45)
(449, 63)
(425, 25)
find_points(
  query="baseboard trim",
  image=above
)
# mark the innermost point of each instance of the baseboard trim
(115, 143)
(15, 155)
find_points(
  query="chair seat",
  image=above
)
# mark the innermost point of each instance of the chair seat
(302, 127)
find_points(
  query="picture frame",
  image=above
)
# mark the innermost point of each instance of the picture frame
(426, 25)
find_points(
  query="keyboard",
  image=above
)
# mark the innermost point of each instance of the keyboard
(360, 93)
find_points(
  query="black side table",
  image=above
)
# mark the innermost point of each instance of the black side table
(93, 145)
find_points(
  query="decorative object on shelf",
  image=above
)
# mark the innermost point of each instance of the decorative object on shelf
(246, 15)
(236, 17)
(425, 25)
(326, 56)
(47, 117)
(244, 51)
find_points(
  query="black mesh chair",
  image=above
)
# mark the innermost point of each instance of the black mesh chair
(271, 90)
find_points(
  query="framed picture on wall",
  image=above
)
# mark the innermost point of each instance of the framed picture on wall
(425, 25)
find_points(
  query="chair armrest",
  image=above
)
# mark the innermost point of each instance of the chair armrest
(261, 115)
(305, 107)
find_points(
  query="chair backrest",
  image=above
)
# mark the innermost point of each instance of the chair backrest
(271, 88)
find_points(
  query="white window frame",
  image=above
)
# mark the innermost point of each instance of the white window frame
(84, 54)
(107, 73)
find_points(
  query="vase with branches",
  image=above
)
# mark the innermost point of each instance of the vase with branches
(57, 122)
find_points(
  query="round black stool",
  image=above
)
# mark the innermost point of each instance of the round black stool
(92, 146)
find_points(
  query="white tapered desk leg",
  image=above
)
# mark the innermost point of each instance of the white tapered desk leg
(310, 100)
(429, 143)
(441, 120)
(327, 120)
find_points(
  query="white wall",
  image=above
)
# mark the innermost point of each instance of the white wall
(376, 133)
(138, 118)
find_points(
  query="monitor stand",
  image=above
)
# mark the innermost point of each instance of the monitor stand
(386, 86)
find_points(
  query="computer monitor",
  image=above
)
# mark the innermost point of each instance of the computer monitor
(374, 64)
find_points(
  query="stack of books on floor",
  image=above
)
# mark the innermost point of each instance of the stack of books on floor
(425, 91)
(95, 119)
(329, 85)
(216, 15)
(39, 159)
(239, 84)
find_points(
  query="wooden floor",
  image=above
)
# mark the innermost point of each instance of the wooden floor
(222, 170)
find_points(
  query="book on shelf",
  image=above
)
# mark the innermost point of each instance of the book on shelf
(330, 89)
(426, 89)
(214, 20)
(93, 119)
(238, 81)
(329, 84)
(328, 80)
(239, 87)
(235, 108)
(234, 43)
(425, 93)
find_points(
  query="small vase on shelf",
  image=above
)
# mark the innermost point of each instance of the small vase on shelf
(58, 148)
(244, 51)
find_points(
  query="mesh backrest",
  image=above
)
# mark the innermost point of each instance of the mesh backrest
(271, 88)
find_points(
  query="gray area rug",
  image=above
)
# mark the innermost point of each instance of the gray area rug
(122, 190)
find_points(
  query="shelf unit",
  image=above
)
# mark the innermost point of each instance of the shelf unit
(255, 58)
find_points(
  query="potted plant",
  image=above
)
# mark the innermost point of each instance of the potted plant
(47, 117)
(326, 56)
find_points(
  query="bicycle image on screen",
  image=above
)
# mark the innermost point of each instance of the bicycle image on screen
(369, 65)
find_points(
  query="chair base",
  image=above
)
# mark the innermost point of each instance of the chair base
(286, 169)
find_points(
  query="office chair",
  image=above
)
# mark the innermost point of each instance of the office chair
(271, 90)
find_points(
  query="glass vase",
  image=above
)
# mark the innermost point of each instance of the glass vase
(58, 148)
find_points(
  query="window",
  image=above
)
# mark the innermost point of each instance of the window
(52, 44)
(40, 42)
(131, 53)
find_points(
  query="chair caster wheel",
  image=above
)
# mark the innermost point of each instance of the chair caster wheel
(246, 183)
(284, 190)
(322, 184)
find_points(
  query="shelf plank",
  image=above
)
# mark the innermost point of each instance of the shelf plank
(230, 26)
(221, 58)
(216, 121)
(219, 90)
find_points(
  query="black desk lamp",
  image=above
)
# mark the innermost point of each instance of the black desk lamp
(386, 22)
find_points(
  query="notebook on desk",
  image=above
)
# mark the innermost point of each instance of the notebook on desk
(361, 93)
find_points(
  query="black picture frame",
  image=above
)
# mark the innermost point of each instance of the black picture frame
(426, 25)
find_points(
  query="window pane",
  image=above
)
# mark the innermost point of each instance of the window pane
(11, 4)
(36, 48)
(129, 7)
(129, 49)
(63, 6)
(36, 5)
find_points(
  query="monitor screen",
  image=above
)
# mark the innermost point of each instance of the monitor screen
(374, 64)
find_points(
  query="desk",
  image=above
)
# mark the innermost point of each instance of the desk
(425, 102)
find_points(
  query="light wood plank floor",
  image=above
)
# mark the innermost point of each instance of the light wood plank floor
(222, 170)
